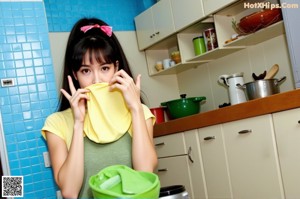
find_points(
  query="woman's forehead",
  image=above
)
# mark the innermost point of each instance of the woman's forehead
(94, 57)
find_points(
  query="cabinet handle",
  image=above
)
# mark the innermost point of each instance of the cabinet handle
(210, 138)
(245, 131)
(162, 170)
(160, 144)
(189, 154)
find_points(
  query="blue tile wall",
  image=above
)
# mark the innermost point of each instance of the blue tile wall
(25, 57)
(62, 15)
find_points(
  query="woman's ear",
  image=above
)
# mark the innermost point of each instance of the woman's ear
(75, 76)
(117, 66)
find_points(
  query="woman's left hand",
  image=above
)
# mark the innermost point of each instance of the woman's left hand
(131, 91)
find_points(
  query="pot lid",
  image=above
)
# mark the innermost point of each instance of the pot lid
(184, 99)
(236, 75)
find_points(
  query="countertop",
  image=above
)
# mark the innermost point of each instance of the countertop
(271, 104)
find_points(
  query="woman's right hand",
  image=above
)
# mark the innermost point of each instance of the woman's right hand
(77, 100)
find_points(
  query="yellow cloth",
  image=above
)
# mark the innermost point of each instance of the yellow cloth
(108, 117)
(62, 124)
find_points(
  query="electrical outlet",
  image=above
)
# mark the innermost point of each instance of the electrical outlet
(47, 159)
(7, 82)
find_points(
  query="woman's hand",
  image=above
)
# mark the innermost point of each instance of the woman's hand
(77, 100)
(131, 91)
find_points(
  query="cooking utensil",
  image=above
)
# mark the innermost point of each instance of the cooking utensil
(260, 76)
(159, 113)
(262, 88)
(236, 94)
(257, 20)
(272, 72)
(184, 106)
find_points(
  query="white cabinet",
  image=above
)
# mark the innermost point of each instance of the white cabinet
(162, 31)
(258, 157)
(253, 159)
(215, 162)
(170, 145)
(186, 12)
(287, 129)
(211, 6)
(172, 166)
(154, 24)
(174, 171)
(180, 162)
(195, 165)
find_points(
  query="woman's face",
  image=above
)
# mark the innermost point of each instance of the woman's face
(93, 72)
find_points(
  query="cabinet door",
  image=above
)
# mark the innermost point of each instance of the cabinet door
(211, 6)
(162, 19)
(170, 145)
(186, 12)
(144, 29)
(253, 159)
(195, 164)
(215, 162)
(174, 171)
(154, 24)
(287, 130)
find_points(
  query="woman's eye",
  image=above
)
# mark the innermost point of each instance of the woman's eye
(105, 68)
(85, 71)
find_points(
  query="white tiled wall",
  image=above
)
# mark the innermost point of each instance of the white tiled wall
(202, 81)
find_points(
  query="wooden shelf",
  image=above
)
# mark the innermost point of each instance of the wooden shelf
(261, 35)
(178, 68)
(214, 54)
(222, 22)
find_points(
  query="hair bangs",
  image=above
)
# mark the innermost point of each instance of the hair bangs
(97, 48)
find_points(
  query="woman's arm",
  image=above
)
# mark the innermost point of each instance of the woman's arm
(143, 152)
(68, 166)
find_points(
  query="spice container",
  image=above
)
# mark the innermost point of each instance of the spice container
(159, 66)
(175, 56)
(210, 38)
(199, 45)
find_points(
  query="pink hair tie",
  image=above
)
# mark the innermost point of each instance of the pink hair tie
(106, 29)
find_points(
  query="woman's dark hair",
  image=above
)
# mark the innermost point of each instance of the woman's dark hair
(95, 41)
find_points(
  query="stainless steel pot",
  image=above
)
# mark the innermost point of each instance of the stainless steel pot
(262, 88)
(173, 192)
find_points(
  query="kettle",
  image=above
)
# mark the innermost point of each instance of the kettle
(236, 94)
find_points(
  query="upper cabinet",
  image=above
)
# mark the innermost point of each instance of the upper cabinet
(154, 24)
(190, 19)
(186, 12)
(211, 6)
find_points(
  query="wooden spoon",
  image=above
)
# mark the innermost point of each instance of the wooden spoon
(272, 72)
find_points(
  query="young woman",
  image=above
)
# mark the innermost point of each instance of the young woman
(93, 56)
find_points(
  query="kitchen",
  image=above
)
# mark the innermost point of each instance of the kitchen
(253, 59)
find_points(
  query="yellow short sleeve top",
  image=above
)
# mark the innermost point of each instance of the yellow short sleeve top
(107, 117)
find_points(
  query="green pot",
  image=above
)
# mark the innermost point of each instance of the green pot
(183, 107)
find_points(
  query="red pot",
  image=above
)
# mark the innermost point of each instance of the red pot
(159, 113)
(259, 20)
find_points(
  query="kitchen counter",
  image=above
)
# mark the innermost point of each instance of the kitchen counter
(271, 104)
